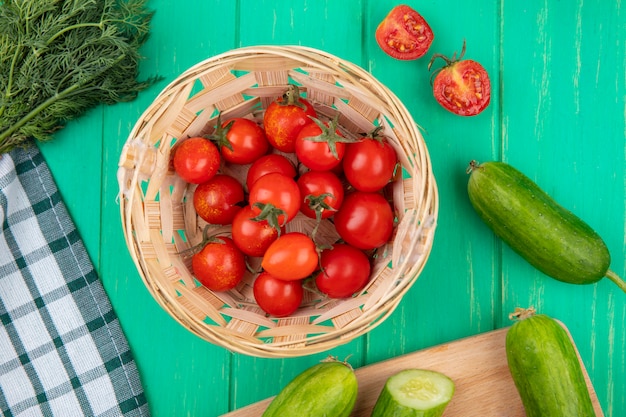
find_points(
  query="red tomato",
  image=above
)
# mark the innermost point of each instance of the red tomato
(322, 192)
(320, 146)
(276, 296)
(404, 34)
(241, 140)
(267, 164)
(370, 163)
(292, 256)
(462, 86)
(196, 160)
(217, 200)
(285, 117)
(365, 220)
(277, 197)
(219, 266)
(252, 237)
(345, 270)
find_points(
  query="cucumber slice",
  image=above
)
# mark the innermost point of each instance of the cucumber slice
(414, 393)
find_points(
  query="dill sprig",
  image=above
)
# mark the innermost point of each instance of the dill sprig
(59, 58)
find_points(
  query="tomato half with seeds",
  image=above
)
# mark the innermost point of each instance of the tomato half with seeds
(277, 297)
(220, 265)
(196, 160)
(293, 256)
(462, 86)
(345, 270)
(219, 199)
(404, 34)
(285, 117)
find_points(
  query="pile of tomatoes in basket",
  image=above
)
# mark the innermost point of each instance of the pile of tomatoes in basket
(295, 164)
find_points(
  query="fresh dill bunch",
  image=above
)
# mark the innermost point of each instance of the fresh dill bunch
(59, 58)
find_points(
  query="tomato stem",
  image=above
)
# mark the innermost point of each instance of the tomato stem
(291, 97)
(449, 61)
(318, 204)
(206, 239)
(219, 135)
(375, 134)
(309, 285)
(270, 213)
(329, 135)
(250, 268)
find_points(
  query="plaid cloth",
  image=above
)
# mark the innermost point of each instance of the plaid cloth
(62, 350)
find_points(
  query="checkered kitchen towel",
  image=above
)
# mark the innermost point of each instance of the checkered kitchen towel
(62, 351)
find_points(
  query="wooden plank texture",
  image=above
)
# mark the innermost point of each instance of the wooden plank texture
(557, 113)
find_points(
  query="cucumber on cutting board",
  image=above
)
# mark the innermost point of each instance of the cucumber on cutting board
(326, 389)
(545, 367)
(414, 393)
(534, 225)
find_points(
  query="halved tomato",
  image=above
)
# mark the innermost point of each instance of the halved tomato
(462, 86)
(404, 34)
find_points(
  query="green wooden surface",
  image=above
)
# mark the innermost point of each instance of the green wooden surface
(557, 113)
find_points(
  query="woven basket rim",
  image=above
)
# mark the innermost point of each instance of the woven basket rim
(149, 222)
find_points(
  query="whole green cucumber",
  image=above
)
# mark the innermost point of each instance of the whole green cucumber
(545, 368)
(326, 389)
(549, 237)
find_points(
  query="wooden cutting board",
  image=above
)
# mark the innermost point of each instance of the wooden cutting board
(477, 365)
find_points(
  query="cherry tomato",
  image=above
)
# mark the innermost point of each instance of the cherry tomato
(285, 117)
(219, 266)
(404, 34)
(292, 256)
(320, 146)
(275, 296)
(462, 86)
(196, 160)
(345, 270)
(365, 220)
(276, 197)
(267, 164)
(321, 191)
(217, 200)
(370, 163)
(240, 140)
(252, 237)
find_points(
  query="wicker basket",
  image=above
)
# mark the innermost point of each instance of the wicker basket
(159, 220)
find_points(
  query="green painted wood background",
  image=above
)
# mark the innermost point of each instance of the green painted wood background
(557, 113)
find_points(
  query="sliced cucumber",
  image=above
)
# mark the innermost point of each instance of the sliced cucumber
(414, 393)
